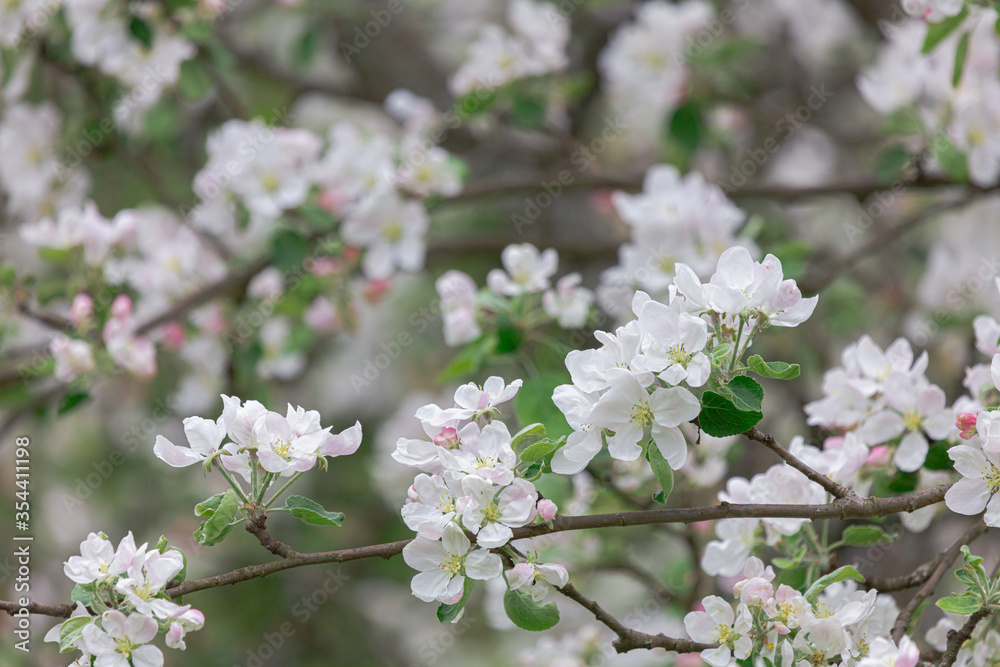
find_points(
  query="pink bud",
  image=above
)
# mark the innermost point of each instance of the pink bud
(447, 438)
(332, 200)
(323, 266)
(879, 456)
(173, 335)
(547, 509)
(322, 316)
(121, 307)
(376, 288)
(81, 309)
(966, 424)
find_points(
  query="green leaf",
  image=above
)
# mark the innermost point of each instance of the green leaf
(469, 360)
(527, 111)
(776, 370)
(527, 614)
(745, 393)
(719, 417)
(661, 469)
(534, 403)
(448, 613)
(208, 507)
(866, 536)
(961, 51)
(70, 401)
(526, 433)
(891, 163)
(290, 250)
(64, 257)
(965, 577)
(541, 449)
(963, 604)
(938, 32)
(784, 563)
(82, 593)
(686, 126)
(937, 456)
(141, 31)
(840, 574)
(720, 353)
(71, 630)
(509, 337)
(310, 512)
(194, 82)
(214, 529)
(950, 158)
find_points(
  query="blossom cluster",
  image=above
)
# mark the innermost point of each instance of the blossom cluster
(955, 97)
(882, 400)
(470, 482)
(673, 220)
(127, 588)
(784, 624)
(633, 385)
(526, 272)
(282, 444)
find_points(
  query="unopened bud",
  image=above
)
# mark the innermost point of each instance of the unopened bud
(966, 423)
(547, 509)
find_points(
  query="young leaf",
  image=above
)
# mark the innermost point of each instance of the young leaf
(214, 529)
(747, 394)
(662, 471)
(527, 614)
(866, 536)
(310, 512)
(84, 594)
(208, 507)
(777, 370)
(527, 433)
(959, 604)
(71, 630)
(960, 53)
(541, 449)
(938, 32)
(448, 613)
(840, 574)
(719, 417)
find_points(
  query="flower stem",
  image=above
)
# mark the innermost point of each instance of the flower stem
(282, 489)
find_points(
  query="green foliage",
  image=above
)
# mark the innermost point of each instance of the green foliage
(527, 614)
(840, 574)
(866, 536)
(661, 469)
(733, 409)
(214, 529)
(776, 370)
(310, 512)
(938, 32)
(534, 403)
(448, 613)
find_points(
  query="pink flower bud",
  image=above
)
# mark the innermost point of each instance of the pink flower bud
(173, 335)
(322, 316)
(376, 288)
(121, 307)
(323, 266)
(966, 424)
(447, 438)
(547, 509)
(81, 309)
(879, 456)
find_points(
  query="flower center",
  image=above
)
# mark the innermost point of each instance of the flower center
(641, 415)
(492, 513)
(823, 610)
(452, 564)
(724, 634)
(913, 421)
(124, 646)
(445, 504)
(270, 182)
(282, 448)
(392, 232)
(991, 476)
(678, 355)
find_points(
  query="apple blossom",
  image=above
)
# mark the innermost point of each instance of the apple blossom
(443, 564)
(718, 624)
(537, 578)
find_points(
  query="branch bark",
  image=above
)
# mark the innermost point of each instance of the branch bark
(833, 488)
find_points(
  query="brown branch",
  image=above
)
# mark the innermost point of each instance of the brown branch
(947, 558)
(958, 637)
(843, 508)
(766, 439)
(56, 610)
(904, 581)
(629, 639)
(256, 528)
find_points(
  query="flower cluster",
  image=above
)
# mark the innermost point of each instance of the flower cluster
(883, 400)
(513, 290)
(535, 46)
(673, 220)
(797, 628)
(282, 445)
(469, 483)
(630, 388)
(962, 98)
(127, 588)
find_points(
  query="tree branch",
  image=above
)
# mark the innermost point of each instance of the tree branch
(844, 508)
(256, 528)
(833, 488)
(958, 637)
(947, 557)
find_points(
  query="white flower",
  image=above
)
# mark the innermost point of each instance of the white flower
(537, 578)
(568, 303)
(433, 503)
(491, 511)
(204, 437)
(727, 556)
(585, 441)
(98, 560)
(73, 357)
(146, 577)
(392, 232)
(473, 402)
(123, 641)
(921, 408)
(444, 564)
(672, 343)
(977, 490)
(240, 418)
(629, 410)
(458, 308)
(281, 450)
(527, 270)
(718, 624)
(184, 622)
(493, 459)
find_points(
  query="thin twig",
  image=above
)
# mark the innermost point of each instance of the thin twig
(766, 439)
(958, 637)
